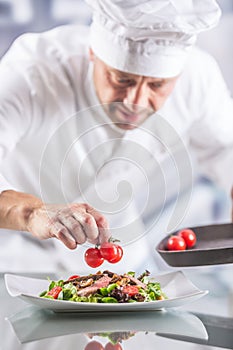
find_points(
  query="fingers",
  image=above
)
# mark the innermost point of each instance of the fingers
(88, 224)
(74, 228)
(101, 223)
(72, 224)
(59, 231)
(94, 224)
(78, 223)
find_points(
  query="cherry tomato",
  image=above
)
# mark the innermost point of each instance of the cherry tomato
(110, 346)
(176, 243)
(111, 252)
(54, 292)
(189, 237)
(73, 277)
(130, 290)
(118, 256)
(93, 257)
(94, 345)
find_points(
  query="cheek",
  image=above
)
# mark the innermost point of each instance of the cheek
(104, 90)
(167, 90)
(107, 93)
(161, 96)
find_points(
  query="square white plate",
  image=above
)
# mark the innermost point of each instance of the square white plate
(178, 288)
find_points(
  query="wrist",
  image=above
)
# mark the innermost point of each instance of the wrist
(17, 209)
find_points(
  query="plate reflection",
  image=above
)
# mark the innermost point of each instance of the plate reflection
(112, 329)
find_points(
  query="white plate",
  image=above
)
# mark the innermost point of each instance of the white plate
(178, 288)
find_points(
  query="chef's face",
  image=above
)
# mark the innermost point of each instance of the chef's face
(139, 96)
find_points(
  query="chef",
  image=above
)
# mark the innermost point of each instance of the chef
(99, 127)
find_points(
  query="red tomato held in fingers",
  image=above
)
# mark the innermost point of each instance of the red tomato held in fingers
(189, 237)
(176, 243)
(94, 345)
(130, 290)
(54, 292)
(110, 346)
(73, 277)
(93, 257)
(118, 256)
(109, 251)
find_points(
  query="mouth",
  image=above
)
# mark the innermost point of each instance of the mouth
(129, 117)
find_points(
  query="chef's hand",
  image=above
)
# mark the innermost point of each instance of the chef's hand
(73, 224)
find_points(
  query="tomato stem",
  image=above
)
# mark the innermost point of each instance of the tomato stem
(113, 240)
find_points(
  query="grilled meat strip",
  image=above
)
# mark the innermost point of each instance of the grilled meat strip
(95, 277)
(136, 281)
(102, 282)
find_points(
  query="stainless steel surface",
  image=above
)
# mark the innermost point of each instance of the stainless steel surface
(207, 322)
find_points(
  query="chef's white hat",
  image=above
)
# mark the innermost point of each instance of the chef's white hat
(149, 37)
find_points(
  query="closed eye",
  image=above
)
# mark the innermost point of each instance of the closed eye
(125, 81)
(156, 85)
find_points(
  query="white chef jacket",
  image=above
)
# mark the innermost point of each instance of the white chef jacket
(57, 143)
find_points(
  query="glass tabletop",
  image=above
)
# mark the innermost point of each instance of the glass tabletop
(204, 323)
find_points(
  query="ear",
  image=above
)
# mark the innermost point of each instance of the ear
(91, 55)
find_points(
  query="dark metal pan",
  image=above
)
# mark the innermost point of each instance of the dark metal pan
(214, 246)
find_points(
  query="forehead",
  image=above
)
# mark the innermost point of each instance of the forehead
(132, 76)
(118, 73)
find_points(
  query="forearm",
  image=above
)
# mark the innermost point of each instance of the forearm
(16, 209)
(71, 223)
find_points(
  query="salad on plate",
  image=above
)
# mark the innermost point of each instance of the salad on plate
(106, 287)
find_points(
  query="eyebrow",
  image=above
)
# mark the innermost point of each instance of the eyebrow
(122, 74)
(133, 76)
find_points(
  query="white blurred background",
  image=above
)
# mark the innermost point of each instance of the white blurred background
(20, 16)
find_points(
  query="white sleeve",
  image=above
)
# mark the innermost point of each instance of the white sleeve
(15, 110)
(212, 133)
(35, 84)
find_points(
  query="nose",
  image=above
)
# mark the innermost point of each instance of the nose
(137, 95)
